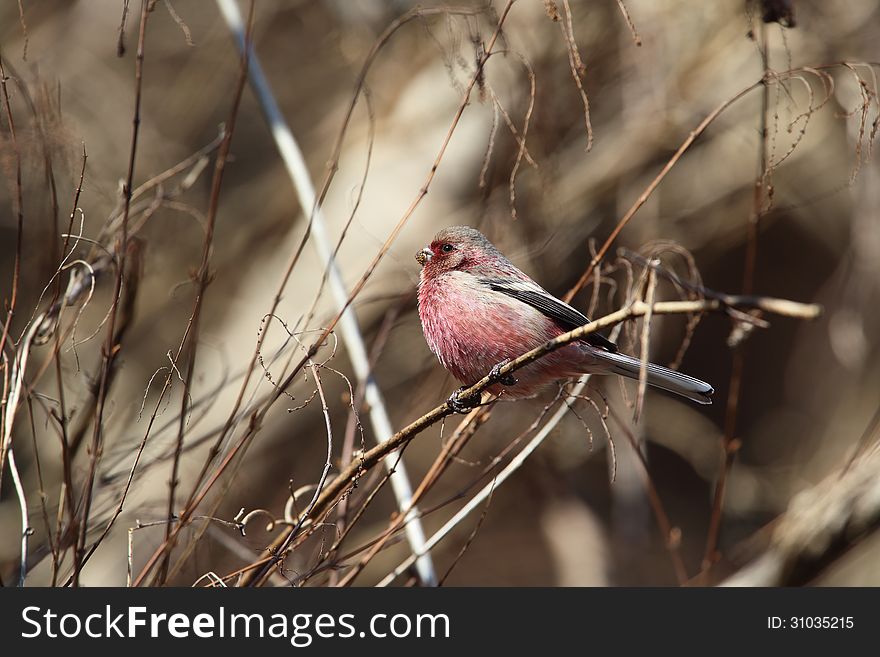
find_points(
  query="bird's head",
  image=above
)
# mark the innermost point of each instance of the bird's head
(458, 248)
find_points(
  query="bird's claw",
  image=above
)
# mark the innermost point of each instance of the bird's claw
(459, 405)
(503, 379)
(464, 406)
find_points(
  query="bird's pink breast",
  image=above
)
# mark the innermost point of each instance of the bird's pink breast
(471, 328)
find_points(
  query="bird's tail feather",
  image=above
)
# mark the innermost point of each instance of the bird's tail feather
(658, 376)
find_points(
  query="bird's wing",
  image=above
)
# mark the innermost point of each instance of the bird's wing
(559, 311)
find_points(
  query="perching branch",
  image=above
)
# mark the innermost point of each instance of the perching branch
(638, 309)
(344, 480)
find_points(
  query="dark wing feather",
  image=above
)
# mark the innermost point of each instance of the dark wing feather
(559, 311)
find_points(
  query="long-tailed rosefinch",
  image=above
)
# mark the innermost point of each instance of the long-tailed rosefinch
(478, 310)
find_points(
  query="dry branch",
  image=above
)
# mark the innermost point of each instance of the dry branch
(349, 476)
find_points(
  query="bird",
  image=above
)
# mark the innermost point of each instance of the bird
(479, 311)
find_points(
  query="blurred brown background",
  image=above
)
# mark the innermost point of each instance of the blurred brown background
(809, 388)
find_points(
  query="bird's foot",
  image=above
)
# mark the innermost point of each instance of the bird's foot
(503, 379)
(459, 405)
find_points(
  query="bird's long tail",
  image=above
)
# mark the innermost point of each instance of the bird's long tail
(658, 376)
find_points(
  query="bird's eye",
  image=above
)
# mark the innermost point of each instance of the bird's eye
(447, 248)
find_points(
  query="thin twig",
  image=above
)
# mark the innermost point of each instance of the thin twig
(671, 535)
(24, 31)
(577, 69)
(522, 140)
(120, 32)
(470, 539)
(651, 288)
(629, 23)
(41, 482)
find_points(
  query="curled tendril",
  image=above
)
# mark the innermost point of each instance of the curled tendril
(242, 519)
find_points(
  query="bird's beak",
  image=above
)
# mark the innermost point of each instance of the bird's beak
(423, 256)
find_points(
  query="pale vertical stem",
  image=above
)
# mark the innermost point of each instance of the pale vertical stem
(22, 505)
(10, 401)
(348, 324)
